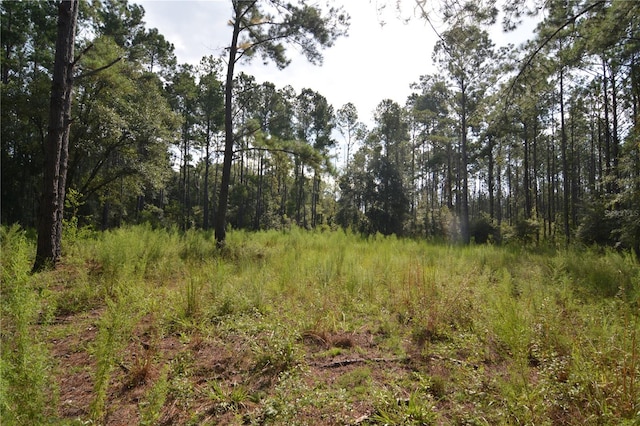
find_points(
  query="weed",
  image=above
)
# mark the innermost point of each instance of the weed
(415, 410)
(192, 297)
(27, 393)
(276, 354)
(357, 382)
(232, 399)
(151, 406)
(114, 329)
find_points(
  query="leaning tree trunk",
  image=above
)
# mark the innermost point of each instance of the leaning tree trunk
(57, 141)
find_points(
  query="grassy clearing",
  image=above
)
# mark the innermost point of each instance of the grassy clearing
(157, 327)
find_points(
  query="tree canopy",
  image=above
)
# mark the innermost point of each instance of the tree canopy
(537, 142)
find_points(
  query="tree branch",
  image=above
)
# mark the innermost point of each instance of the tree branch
(97, 70)
(346, 362)
(89, 47)
(544, 43)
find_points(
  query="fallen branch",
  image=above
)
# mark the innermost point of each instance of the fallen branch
(345, 362)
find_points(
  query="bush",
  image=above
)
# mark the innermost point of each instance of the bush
(484, 230)
(596, 226)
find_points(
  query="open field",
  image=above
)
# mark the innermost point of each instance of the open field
(151, 327)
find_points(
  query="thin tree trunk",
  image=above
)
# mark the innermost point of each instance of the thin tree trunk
(607, 131)
(490, 179)
(534, 180)
(315, 199)
(185, 178)
(259, 195)
(205, 191)
(464, 222)
(499, 192)
(614, 139)
(550, 186)
(527, 177)
(448, 189)
(566, 182)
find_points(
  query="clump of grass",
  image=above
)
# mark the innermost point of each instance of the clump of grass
(181, 389)
(418, 409)
(114, 330)
(197, 247)
(137, 253)
(225, 399)
(192, 297)
(151, 406)
(604, 274)
(276, 351)
(357, 382)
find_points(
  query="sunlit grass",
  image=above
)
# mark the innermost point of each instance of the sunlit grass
(503, 334)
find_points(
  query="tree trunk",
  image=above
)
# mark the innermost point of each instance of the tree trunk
(186, 210)
(499, 186)
(550, 171)
(464, 212)
(527, 177)
(221, 218)
(205, 191)
(259, 195)
(614, 137)
(490, 179)
(607, 131)
(566, 182)
(315, 198)
(57, 142)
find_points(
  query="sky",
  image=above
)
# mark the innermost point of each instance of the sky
(374, 62)
(379, 59)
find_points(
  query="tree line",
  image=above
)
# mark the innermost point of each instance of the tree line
(533, 142)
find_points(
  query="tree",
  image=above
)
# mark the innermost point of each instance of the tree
(119, 148)
(463, 52)
(373, 190)
(315, 121)
(265, 27)
(210, 99)
(153, 50)
(28, 38)
(184, 99)
(57, 142)
(120, 21)
(349, 127)
(432, 130)
(389, 204)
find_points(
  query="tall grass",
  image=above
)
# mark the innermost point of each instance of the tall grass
(27, 391)
(523, 336)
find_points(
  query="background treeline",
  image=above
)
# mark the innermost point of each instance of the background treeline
(532, 142)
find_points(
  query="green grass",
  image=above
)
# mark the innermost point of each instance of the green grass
(299, 327)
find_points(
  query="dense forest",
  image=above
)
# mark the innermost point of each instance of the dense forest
(533, 142)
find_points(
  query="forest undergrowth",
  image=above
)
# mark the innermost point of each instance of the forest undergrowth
(158, 327)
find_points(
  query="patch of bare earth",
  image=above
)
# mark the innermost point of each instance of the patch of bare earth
(205, 363)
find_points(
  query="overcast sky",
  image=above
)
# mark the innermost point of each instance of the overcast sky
(375, 62)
